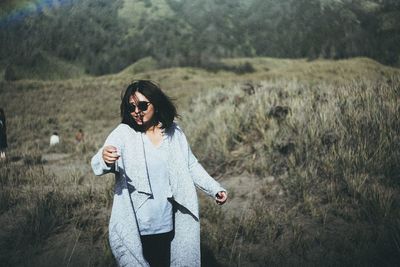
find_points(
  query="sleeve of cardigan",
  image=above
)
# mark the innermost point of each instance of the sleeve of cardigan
(201, 178)
(98, 165)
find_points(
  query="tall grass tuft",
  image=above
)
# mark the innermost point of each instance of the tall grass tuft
(36, 204)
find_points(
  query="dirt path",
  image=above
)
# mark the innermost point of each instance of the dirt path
(246, 190)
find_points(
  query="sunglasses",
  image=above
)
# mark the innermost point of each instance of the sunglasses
(141, 105)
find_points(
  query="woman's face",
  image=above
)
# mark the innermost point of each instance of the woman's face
(141, 109)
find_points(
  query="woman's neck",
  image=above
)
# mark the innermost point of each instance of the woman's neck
(154, 128)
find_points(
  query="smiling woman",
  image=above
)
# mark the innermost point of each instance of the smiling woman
(155, 203)
(144, 105)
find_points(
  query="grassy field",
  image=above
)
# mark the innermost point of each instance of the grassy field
(309, 152)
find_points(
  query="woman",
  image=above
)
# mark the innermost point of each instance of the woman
(155, 218)
(3, 135)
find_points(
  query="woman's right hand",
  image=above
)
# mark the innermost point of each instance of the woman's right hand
(110, 154)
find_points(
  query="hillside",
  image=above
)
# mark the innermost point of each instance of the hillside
(104, 37)
(308, 150)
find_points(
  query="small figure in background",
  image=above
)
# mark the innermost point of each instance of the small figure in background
(3, 135)
(54, 139)
(79, 136)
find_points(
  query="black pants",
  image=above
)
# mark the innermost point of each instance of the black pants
(157, 249)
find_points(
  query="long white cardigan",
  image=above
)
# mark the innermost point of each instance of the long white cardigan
(132, 189)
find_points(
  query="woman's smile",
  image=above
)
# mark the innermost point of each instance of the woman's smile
(138, 118)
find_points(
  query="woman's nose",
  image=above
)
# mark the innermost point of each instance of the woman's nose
(137, 110)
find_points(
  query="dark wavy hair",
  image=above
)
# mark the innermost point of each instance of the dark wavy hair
(164, 109)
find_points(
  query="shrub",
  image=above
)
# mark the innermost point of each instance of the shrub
(9, 74)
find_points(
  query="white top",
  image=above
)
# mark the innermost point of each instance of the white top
(54, 140)
(155, 215)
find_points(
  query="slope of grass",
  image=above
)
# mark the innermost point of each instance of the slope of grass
(333, 155)
(316, 70)
(143, 65)
(307, 150)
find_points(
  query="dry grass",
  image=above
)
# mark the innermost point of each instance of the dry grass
(308, 150)
(334, 154)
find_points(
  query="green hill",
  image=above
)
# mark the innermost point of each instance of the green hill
(105, 37)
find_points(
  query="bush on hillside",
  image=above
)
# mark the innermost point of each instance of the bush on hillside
(9, 74)
(215, 66)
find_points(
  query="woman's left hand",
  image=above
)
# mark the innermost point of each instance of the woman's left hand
(221, 197)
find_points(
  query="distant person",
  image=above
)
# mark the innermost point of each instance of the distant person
(54, 139)
(79, 136)
(3, 135)
(155, 216)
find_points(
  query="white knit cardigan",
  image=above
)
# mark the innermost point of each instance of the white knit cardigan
(132, 189)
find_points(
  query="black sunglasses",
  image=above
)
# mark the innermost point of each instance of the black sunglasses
(141, 105)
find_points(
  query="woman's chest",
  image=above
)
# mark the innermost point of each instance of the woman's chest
(155, 138)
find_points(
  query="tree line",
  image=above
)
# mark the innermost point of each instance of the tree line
(197, 33)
